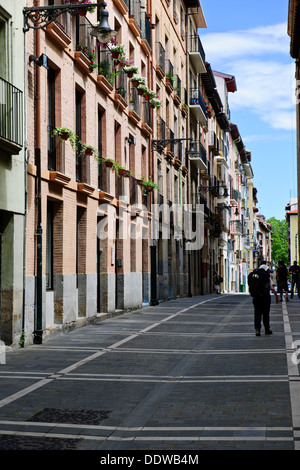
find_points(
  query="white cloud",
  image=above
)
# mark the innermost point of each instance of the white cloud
(252, 42)
(259, 59)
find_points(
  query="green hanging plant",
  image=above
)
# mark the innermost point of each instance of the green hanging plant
(66, 134)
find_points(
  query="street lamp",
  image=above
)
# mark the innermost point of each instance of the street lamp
(103, 31)
(160, 144)
(40, 17)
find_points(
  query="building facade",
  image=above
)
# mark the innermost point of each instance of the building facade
(12, 170)
(133, 186)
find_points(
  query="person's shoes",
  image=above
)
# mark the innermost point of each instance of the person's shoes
(257, 333)
(281, 300)
(287, 299)
(268, 332)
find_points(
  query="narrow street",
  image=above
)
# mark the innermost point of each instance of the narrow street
(186, 375)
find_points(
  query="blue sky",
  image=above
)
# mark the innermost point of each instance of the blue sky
(249, 40)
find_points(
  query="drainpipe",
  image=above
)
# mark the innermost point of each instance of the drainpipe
(38, 331)
(153, 247)
(298, 144)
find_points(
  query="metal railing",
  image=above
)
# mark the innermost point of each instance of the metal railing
(147, 114)
(11, 113)
(213, 141)
(84, 41)
(196, 98)
(135, 10)
(177, 85)
(200, 152)
(236, 226)
(161, 131)
(195, 45)
(161, 54)
(170, 71)
(56, 152)
(106, 65)
(134, 101)
(146, 28)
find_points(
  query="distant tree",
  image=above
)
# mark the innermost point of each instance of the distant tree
(280, 245)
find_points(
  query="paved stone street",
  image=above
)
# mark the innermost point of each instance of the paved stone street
(188, 374)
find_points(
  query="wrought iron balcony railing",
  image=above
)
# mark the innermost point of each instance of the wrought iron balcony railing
(146, 28)
(11, 114)
(56, 152)
(195, 45)
(160, 58)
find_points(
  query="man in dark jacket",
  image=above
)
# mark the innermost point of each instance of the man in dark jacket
(262, 303)
(281, 277)
(295, 270)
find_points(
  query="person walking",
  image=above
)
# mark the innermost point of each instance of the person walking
(295, 270)
(260, 285)
(281, 278)
(218, 280)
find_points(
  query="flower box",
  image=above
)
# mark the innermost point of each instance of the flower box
(59, 178)
(133, 25)
(85, 188)
(120, 101)
(133, 116)
(82, 61)
(58, 35)
(104, 84)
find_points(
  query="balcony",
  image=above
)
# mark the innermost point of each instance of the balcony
(177, 90)
(11, 118)
(134, 106)
(213, 143)
(135, 16)
(197, 54)
(235, 197)
(56, 152)
(236, 227)
(169, 76)
(197, 105)
(147, 118)
(198, 157)
(145, 34)
(160, 60)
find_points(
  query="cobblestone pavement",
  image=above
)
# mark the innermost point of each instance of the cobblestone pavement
(186, 375)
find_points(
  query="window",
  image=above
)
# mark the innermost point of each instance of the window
(49, 247)
(100, 166)
(78, 99)
(51, 120)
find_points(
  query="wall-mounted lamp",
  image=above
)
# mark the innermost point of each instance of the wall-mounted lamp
(41, 61)
(131, 140)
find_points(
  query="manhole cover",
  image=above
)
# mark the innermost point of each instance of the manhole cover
(37, 443)
(54, 415)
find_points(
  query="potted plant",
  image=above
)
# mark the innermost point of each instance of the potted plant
(130, 70)
(149, 186)
(110, 163)
(155, 102)
(148, 94)
(136, 80)
(87, 149)
(142, 89)
(117, 50)
(170, 78)
(66, 134)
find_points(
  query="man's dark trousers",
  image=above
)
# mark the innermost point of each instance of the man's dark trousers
(262, 305)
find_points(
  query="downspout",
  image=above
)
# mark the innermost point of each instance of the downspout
(188, 243)
(22, 338)
(153, 247)
(298, 144)
(38, 332)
